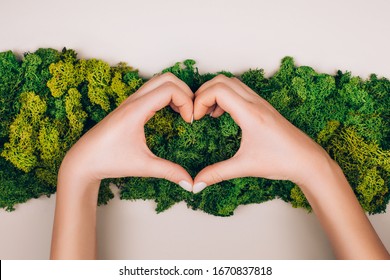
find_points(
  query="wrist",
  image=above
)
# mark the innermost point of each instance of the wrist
(73, 175)
(327, 186)
(323, 170)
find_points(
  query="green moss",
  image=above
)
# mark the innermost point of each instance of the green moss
(366, 166)
(298, 199)
(105, 193)
(65, 75)
(49, 99)
(24, 131)
(35, 71)
(10, 81)
(98, 78)
(75, 115)
(372, 190)
(18, 187)
(187, 72)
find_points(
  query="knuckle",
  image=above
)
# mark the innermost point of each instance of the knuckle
(216, 177)
(170, 175)
(169, 85)
(168, 76)
(220, 86)
(221, 78)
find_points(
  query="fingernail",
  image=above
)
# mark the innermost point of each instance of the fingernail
(185, 185)
(198, 187)
(211, 114)
(192, 118)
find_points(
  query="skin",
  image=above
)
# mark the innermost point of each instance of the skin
(275, 149)
(115, 147)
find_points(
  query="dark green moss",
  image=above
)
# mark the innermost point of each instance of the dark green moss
(347, 115)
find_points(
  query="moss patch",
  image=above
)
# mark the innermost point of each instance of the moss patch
(49, 99)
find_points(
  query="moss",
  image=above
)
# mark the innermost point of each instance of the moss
(372, 190)
(98, 78)
(65, 75)
(10, 81)
(24, 131)
(35, 70)
(366, 166)
(18, 187)
(75, 115)
(298, 199)
(49, 99)
(105, 193)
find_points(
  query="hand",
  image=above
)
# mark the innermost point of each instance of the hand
(271, 147)
(116, 146)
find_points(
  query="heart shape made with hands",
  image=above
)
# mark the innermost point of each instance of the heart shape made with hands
(195, 146)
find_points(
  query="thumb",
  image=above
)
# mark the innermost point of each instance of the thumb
(215, 173)
(162, 168)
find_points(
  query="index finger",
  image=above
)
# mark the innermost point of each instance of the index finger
(233, 83)
(162, 96)
(159, 80)
(225, 97)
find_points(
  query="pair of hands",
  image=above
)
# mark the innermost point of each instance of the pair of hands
(271, 147)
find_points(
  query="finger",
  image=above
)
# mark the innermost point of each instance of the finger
(211, 110)
(159, 80)
(217, 79)
(217, 112)
(165, 94)
(231, 82)
(162, 168)
(239, 83)
(215, 173)
(225, 97)
(174, 107)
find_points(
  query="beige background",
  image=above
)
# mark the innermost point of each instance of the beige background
(229, 35)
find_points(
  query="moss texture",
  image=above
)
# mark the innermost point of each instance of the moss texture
(48, 99)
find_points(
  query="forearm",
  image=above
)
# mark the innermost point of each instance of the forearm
(74, 230)
(114, 148)
(340, 214)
